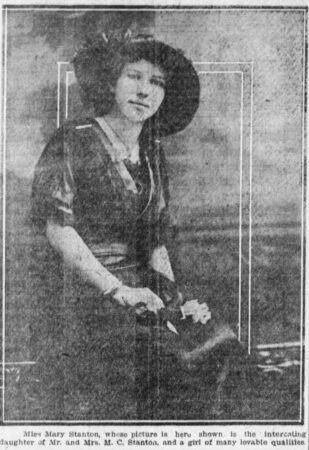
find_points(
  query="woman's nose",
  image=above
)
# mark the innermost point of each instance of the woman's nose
(142, 94)
(143, 89)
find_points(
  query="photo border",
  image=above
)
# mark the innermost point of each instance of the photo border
(51, 7)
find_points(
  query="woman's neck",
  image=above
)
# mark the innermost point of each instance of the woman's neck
(127, 131)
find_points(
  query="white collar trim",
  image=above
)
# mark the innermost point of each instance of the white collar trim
(121, 152)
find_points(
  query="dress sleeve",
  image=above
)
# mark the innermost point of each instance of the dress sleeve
(53, 188)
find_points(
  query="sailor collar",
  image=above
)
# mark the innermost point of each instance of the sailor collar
(119, 152)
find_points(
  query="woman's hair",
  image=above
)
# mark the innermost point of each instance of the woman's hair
(105, 62)
(98, 65)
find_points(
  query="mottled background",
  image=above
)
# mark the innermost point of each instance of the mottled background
(204, 159)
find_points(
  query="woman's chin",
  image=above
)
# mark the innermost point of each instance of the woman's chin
(137, 114)
(137, 118)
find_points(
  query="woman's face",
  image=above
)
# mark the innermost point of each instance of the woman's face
(139, 91)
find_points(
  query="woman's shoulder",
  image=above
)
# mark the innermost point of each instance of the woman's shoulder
(69, 127)
(70, 132)
(77, 126)
(69, 138)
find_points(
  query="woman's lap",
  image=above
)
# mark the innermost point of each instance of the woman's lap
(97, 363)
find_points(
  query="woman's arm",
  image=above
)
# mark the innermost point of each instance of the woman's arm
(75, 253)
(161, 277)
(160, 262)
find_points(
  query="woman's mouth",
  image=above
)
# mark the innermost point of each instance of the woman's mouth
(136, 103)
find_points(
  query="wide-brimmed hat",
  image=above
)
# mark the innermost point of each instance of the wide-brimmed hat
(95, 63)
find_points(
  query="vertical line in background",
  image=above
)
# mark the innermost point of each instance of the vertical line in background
(240, 187)
(240, 202)
(58, 94)
(250, 209)
(303, 198)
(4, 206)
(67, 94)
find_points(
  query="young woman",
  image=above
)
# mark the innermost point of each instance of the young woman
(112, 311)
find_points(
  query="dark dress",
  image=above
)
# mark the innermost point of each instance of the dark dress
(120, 210)
(98, 360)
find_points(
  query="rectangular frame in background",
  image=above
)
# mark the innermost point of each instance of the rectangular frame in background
(243, 70)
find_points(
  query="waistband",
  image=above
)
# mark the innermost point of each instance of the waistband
(116, 255)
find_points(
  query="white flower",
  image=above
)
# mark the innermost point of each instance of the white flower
(199, 311)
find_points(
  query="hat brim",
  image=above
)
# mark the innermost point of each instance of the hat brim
(182, 93)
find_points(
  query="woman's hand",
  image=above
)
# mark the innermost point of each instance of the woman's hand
(142, 299)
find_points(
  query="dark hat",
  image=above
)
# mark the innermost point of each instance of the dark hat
(99, 62)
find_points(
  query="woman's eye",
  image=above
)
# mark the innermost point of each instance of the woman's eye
(134, 76)
(157, 82)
